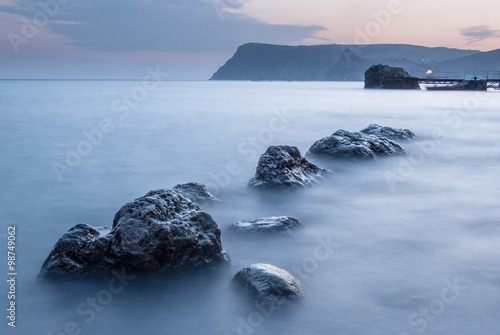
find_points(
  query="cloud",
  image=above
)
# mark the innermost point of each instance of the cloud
(479, 33)
(155, 25)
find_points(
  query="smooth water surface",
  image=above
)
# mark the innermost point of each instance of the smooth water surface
(396, 246)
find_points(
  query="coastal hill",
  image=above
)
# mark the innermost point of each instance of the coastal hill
(256, 61)
(483, 61)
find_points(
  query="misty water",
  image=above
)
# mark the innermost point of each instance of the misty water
(399, 246)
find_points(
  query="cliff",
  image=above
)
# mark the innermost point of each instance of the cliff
(279, 62)
(255, 61)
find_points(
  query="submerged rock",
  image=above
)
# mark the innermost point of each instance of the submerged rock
(390, 133)
(196, 192)
(387, 77)
(355, 145)
(264, 282)
(267, 225)
(160, 233)
(283, 166)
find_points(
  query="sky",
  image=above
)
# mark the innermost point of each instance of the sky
(191, 39)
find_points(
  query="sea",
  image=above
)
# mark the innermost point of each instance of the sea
(395, 246)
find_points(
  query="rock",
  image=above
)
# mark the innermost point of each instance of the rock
(476, 85)
(267, 225)
(355, 145)
(264, 282)
(76, 249)
(386, 77)
(284, 167)
(158, 234)
(196, 192)
(390, 133)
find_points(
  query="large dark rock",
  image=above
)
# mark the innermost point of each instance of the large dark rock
(283, 166)
(396, 134)
(158, 234)
(264, 282)
(355, 145)
(196, 192)
(267, 225)
(384, 76)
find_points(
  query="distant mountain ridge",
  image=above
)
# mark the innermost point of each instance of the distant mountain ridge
(256, 61)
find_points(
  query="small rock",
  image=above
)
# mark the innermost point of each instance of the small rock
(284, 167)
(267, 225)
(390, 133)
(355, 145)
(196, 192)
(264, 282)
